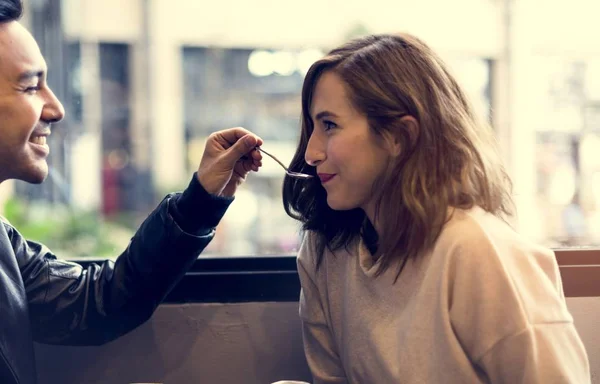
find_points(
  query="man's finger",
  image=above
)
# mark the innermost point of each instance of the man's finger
(241, 148)
(232, 135)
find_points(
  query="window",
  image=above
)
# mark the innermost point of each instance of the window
(144, 86)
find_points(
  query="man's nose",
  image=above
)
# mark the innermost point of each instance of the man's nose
(53, 110)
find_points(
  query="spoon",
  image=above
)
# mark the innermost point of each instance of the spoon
(296, 175)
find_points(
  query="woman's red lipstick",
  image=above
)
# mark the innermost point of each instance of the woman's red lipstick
(325, 177)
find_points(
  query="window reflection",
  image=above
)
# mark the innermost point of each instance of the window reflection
(144, 88)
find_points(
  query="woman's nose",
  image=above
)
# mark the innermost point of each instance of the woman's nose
(314, 154)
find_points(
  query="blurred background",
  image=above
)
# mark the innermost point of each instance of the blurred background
(144, 82)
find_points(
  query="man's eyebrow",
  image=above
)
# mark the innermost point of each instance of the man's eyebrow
(28, 75)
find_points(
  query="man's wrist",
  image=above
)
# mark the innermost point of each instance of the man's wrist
(196, 210)
(206, 185)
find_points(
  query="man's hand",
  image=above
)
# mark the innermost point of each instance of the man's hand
(228, 157)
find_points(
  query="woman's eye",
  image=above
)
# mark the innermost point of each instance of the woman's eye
(328, 125)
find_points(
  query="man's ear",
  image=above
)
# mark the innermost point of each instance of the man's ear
(403, 136)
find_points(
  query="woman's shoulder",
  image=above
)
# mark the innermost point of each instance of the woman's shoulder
(476, 236)
(483, 257)
(307, 252)
(480, 241)
(311, 247)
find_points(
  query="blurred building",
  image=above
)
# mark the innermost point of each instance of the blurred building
(145, 81)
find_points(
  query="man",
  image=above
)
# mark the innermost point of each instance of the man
(51, 301)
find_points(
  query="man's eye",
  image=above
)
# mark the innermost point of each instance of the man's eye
(32, 89)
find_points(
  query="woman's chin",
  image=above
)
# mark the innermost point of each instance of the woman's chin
(338, 205)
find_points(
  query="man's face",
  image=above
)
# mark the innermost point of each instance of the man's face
(27, 106)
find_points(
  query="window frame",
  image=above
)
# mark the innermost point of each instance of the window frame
(275, 278)
(580, 271)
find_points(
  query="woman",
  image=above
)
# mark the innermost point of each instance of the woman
(409, 270)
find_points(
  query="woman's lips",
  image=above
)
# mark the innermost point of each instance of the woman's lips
(325, 177)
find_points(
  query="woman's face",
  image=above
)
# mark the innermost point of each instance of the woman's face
(348, 155)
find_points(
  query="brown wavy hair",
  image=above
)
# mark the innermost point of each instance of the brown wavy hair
(451, 162)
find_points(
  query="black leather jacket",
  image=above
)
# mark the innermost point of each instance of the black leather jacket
(47, 300)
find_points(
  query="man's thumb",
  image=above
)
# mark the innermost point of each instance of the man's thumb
(241, 148)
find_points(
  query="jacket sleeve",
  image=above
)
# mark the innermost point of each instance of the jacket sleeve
(319, 346)
(72, 305)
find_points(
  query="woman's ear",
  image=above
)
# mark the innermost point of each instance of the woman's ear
(403, 137)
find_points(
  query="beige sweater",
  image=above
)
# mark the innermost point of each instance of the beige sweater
(484, 306)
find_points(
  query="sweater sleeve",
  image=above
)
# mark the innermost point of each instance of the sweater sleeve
(508, 311)
(540, 353)
(319, 346)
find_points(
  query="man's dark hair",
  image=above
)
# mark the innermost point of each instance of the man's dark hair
(10, 10)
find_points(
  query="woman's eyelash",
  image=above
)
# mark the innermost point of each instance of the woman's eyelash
(329, 124)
